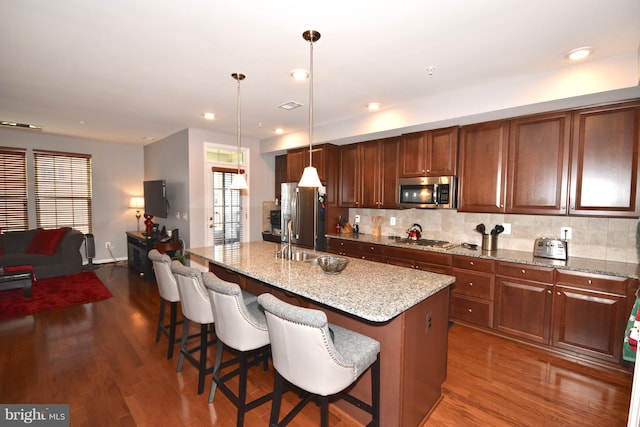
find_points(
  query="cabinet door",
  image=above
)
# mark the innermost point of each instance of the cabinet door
(482, 167)
(604, 171)
(349, 176)
(370, 158)
(539, 164)
(442, 152)
(523, 308)
(281, 173)
(413, 154)
(589, 322)
(389, 174)
(296, 162)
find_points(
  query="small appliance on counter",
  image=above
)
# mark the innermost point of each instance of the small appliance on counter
(545, 247)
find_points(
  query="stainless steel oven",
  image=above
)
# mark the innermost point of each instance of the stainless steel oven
(429, 192)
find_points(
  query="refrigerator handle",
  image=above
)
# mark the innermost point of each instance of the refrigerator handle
(295, 213)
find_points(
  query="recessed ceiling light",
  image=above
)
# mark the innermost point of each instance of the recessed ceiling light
(373, 106)
(299, 74)
(290, 105)
(209, 116)
(431, 69)
(279, 131)
(579, 53)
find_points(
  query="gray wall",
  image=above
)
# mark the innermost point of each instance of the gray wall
(117, 175)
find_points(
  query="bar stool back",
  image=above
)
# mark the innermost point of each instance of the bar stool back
(319, 358)
(168, 290)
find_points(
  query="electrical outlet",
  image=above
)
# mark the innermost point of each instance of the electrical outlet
(565, 233)
(357, 219)
(107, 245)
(392, 220)
(507, 228)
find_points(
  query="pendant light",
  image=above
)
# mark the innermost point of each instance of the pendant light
(238, 182)
(310, 176)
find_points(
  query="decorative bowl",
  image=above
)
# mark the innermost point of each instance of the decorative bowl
(332, 264)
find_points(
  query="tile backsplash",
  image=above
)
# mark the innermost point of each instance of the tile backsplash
(611, 239)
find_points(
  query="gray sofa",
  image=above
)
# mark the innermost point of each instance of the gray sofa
(16, 249)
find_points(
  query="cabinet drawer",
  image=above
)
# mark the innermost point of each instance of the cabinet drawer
(348, 245)
(370, 249)
(470, 283)
(475, 264)
(472, 310)
(525, 272)
(429, 257)
(597, 282)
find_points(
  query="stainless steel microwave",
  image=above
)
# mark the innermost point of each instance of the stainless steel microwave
(429, 192)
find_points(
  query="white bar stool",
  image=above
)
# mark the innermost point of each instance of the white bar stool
(321, 359)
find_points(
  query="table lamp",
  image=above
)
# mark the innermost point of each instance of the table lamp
(137, 203)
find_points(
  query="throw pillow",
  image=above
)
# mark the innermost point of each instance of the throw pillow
(46, 242)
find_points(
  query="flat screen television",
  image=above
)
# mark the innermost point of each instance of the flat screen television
(155, 198)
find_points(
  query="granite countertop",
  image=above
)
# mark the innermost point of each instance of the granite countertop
(584, 265)
(373, 291)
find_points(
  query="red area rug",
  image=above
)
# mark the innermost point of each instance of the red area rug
(56, 292)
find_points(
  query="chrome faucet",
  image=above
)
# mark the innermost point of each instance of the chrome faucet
(288, 246)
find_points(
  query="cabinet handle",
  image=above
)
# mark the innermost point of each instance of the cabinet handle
(363, 257)
(470, 262)
(548, 291)
(471, 284)
(590, 281)
(558, 293)
(524, 271)
(470, 311)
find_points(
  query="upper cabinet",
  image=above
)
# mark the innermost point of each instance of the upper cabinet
(578, 162)
(482, 167)
(281, 173)
(369, 174)
(538, 170)
(604, 168)
(429, 153)
(298, 159)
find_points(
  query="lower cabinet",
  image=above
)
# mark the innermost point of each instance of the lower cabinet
(435, 262)
(590, 314)
(524, 299)
(362, 250)
(472, 294)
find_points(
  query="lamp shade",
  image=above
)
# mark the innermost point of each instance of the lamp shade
(310, 178)
(238, 182)
(136, 203)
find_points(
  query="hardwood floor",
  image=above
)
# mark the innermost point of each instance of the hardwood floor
(102, 360)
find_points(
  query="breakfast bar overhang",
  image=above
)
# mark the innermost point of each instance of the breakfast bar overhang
(406, 310)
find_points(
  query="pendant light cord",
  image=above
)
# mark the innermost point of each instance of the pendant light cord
(238, 120)
(310, 98)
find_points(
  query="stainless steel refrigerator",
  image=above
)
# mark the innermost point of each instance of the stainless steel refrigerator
(303, 212)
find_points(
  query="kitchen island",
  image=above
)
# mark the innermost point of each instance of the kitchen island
(405, 310)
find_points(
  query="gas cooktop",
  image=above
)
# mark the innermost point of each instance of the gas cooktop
(438, 244)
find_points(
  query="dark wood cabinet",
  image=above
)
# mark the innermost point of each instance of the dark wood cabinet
(590, 314)
(429, 153)
(482, 158)
(351, 248)
(350, 176)
(604, 171)
(524, 296)
(298, 159)
(281, 174)
(369, 174)
(472, 294)
(538, 171)
(435, 262)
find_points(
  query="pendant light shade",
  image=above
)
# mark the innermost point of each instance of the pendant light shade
(238, 182)
(310, 176)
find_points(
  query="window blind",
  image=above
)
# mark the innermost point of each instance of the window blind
(63, 190)
(13, 189)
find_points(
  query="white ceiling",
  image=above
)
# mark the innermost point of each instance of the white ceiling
(122, 70)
